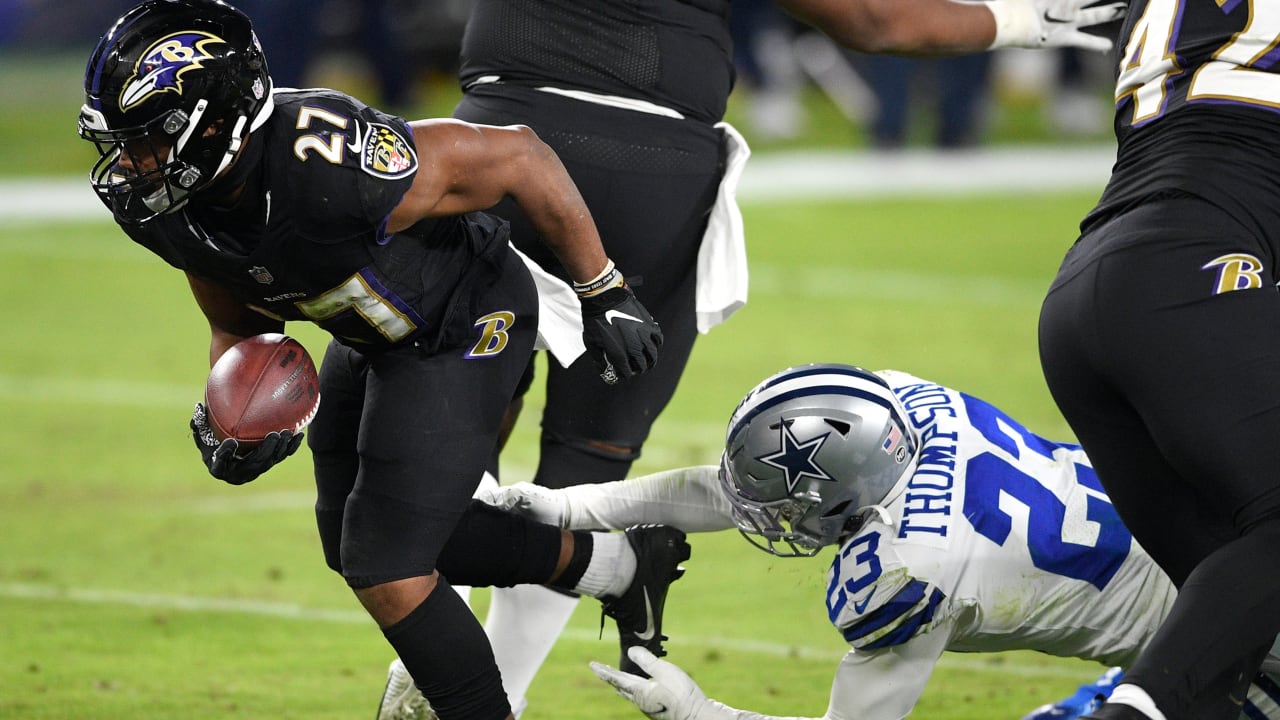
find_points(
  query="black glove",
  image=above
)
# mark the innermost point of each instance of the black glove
(621, 336)
(221, 457)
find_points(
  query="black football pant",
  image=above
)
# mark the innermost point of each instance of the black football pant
(1160, 341)
(649, 182)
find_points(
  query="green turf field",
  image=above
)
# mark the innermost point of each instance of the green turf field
(135, 587)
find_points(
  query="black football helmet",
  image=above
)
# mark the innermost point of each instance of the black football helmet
(171, 92)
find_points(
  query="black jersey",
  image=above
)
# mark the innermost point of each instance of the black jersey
(307, 240)
(1197, 103)
(674, 53)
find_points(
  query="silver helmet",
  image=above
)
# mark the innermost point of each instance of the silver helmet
(809, 451)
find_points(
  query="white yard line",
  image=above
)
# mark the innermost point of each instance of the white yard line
(290, 611)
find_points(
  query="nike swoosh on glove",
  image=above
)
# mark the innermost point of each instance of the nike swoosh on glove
(1052, 23)
(620, 334)
(668, 694)
(224, 463)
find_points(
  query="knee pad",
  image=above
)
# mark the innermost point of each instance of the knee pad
(493, 548)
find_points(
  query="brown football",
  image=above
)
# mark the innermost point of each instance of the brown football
(262, 385)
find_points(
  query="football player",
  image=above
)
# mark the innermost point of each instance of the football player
(631, 96)
(307, 205)
(1158, 342)
(956, 529)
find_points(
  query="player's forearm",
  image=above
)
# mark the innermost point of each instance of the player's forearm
(687, 498)
(715, 710)
(554, 207)
(900, 27)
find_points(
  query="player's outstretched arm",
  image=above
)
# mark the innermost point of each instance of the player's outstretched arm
(668, 693)
(880, 685)
(688, 498)
(954, 27)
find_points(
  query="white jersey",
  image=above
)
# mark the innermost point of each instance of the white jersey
(997, 540)
(1000, 537)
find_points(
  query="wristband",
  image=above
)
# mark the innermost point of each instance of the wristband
(1015, 27)
(608, 279)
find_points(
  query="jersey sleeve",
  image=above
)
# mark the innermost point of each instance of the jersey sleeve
(874, 600)
(885, 684)
(688, 498)
(356, 163)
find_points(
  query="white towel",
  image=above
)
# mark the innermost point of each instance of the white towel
(559, 314)
(722, 257)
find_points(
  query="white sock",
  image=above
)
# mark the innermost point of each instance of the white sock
(1136, 698)
(612, 566)
(523, 624)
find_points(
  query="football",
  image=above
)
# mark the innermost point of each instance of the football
(263, 384)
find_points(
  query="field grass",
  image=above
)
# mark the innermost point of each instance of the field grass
(133, 586)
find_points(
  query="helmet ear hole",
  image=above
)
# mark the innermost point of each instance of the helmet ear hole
(839, 426)
(836, 510)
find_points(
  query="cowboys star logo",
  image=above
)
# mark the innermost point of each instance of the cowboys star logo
(796, 459)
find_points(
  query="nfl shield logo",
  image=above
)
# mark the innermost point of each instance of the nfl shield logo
(261, 274)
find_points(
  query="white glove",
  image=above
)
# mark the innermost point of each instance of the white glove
(1051, 23)
(532, 501)
(670, 694)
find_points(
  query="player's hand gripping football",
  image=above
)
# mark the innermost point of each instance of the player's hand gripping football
(1052, 23)
(669, 694)
(620, 334)
(222, 459)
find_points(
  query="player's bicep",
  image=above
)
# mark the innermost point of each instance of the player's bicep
(462, 168)
(885, 684)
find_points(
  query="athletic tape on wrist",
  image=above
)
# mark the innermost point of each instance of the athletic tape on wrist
(608, 279)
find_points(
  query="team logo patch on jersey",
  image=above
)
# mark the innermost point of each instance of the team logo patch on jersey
(161, 67)
(1236, 271)
(386, 154)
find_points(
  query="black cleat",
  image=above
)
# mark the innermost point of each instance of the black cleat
(1115, 711)
(638, 611)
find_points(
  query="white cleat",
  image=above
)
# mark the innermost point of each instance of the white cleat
(402, 700)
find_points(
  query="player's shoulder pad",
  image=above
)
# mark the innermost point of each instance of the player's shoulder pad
(874, 600)
(347, 132)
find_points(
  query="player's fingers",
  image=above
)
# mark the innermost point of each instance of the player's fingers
(625, 683)
(657, 668)
(1102, 14)
(1085, 41)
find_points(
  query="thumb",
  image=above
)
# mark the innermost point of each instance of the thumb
(657, 668)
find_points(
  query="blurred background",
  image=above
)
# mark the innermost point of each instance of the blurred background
(795, 89)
